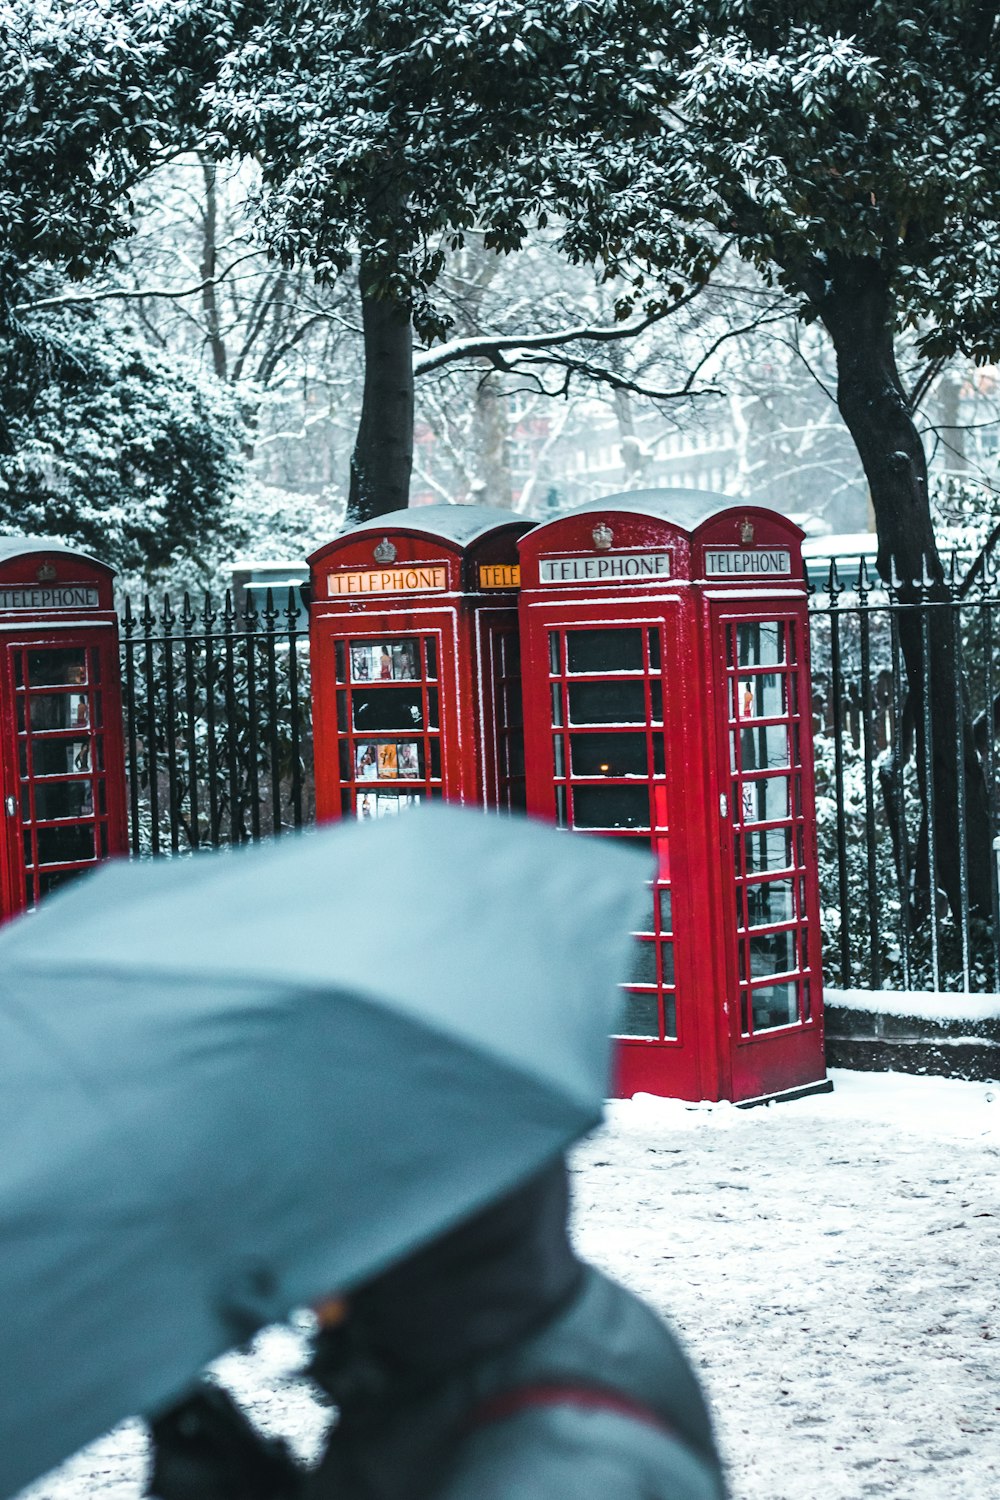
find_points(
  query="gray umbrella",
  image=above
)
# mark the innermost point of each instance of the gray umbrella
(232, 1084)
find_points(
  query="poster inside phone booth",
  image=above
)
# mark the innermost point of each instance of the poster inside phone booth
(416, 666)
(62, 762)
(664, 641)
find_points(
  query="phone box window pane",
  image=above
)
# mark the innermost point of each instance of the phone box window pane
(769, 902)
(772, 953)
(608, 754)
(656, 701)
(642, 962)
(431, 656)
(766, 801)
(63, 799)
(561, 806)
(59, 710)
(60, 845)
(54, 878)
(667, 959)
(604, 651)
(760, 643)
(66, 664)
(387, 708)
(385, 661)
(670, 1015)
(435, 760)
(510, 654)
(765, 748)
(432, 708)
(514, 705)
(63, 757)
(610, 807)
(340, 661)
(763, 696)
(775, 1005)
(607, 703)
(554, 653)
(666, 918)
(557, 708)
(515, 755)
(640, 1016)
(342, 712)
(559, 755)
(770, 850)
(654, 651)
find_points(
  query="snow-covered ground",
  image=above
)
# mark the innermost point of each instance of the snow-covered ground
(833, 1265)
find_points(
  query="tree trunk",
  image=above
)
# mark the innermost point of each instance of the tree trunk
(856, 308)
(491, 450)
(383, 450)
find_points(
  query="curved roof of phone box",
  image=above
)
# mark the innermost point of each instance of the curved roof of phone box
(24, 546)
(682, 507)
(460, 524)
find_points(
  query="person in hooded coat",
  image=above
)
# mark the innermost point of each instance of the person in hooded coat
(491, 1365)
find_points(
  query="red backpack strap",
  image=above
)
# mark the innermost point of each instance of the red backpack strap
(589, 1397)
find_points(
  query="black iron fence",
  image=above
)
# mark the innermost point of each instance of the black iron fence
(218, 740)
(906, 694)
(906, 705)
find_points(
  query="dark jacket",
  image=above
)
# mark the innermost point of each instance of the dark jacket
(495, 1366)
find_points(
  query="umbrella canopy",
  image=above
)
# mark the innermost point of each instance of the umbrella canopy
(232, 1084)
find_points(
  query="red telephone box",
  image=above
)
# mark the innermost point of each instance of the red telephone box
(62, 755)
(666, 694)
(416, 663)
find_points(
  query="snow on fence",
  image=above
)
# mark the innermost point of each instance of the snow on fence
(906, 705)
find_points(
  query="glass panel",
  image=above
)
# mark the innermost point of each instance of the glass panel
(510, 653)
(432, 708)
(340, 661)
(769, 902)
(515, 755)
(666, 920)
(607, 703)
(610, 807)
(604, 651)
(608, 754)
(435, 760)
(65, 664)
(385, 661)
(771, 850)
(388, 708)
(431, 651)
(59, 845)
(766, 801)
(342, 712)
(514, 705)
(762, 697)
(557, 704)
(345, 761)
(761, 643)
(656, 701)
(554, 658)
(774, 1005)
(654, 650)
(560, 755)
(641, 1016)
(62, 799)
(387, 760)
(642, 962)
(670, 1015)
(667, 958)
(49, 882)
(561, 806)
(764, 748)
(772, 953)
(380, 804)
(63, 757)
(58, 710)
